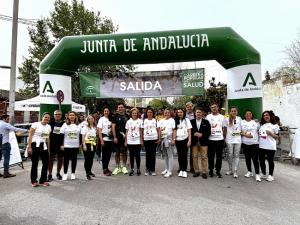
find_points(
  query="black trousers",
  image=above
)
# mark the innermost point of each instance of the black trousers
(215, 148)
(106, 153)
(150, 148)
(89, 158)
(270, 157)
(37, 153)
(182, 151)
(135, 152)
(251, 153)
(70, 154)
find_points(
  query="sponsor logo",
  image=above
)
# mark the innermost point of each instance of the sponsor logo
(249, 80)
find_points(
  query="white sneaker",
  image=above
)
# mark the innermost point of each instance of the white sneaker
(153, 174)
(147, 173)
(263, 176)
(235, 175)
(65, 176)
(184, 174)
(270, 178)
(180, 173)
(164, 172)
(168, 174)
(249, 174)
(73, 176)
(229, 173)
(257, 178)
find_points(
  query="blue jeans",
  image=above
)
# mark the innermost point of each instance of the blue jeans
(6, 155)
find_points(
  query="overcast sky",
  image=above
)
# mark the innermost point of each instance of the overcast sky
(269, 26)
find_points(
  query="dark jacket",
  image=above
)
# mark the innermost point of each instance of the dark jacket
(204, 129)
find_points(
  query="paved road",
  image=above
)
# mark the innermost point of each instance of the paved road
(152, 200)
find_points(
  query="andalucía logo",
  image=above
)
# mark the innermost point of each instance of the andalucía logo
(90, 90)
(249, 80)
(48, 87)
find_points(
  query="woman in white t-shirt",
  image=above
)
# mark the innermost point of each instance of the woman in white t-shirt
(250, 144)
(133, 140)
(89, 144)
(183, 140)
(106, 139)
(151, 137)
(71, 131)
(232, 129)
(168, 135)
(268, 133)
(38, 146)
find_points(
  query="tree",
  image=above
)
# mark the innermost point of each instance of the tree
(66, 19)
(159, 104)
(293, 52)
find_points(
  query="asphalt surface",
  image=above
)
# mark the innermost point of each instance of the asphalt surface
(152, 200)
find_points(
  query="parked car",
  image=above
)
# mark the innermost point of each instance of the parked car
(22, 137)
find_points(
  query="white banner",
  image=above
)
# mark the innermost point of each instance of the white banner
(244, 82)
(15, 155)
(50, 84)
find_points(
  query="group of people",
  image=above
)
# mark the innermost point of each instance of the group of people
(189, 130)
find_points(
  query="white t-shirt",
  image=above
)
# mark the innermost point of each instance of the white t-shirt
(150, 129)
(250, 127)
(182, 129)
(266, 141)
(71, 135)
(217, 124)
(90, 133)
(133, 134)
(41, 133)
(233, 134)
(166, 127)
(105, 125)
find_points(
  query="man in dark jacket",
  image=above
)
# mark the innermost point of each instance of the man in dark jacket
(200, 133)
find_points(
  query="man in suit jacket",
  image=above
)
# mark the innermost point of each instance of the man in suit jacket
(200, 133)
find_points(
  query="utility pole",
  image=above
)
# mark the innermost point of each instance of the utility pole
(13, 63)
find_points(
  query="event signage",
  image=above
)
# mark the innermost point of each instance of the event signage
(143, 84)
(244, 82)
(51, 85)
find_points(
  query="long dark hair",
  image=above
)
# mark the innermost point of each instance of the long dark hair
(272, 117)
(110, 113)
(177, 119)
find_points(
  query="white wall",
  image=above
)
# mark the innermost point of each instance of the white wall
(284, 99)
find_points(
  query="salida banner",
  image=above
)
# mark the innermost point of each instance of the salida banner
(143, 84)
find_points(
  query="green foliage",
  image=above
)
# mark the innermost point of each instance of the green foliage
(159, 104)
(66, 19)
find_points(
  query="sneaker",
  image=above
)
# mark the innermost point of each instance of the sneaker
(124, 170)
(229, 172)
(180, 173)
(270, 178)
(249, 174)
(235, 175)
(58, 176)
(138, 172)
(219, 175)
(8, 175)
(204, 176)
(263, 176)
(65, 176)
(131, 172)
(116, 171)
(153, 173)
(45, 184)
(1, 175)
(88, 177)
(168, 174)
(184, 174)
(73, 176)
(35, 184)
(147, 173)
(50, 178)
(93, 175)
(164, 172)
(211, 173)
(257, 178)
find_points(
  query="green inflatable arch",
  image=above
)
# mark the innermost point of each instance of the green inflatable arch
(224, 45)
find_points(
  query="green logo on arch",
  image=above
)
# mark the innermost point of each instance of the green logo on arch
(48, 87)
(249, 80)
